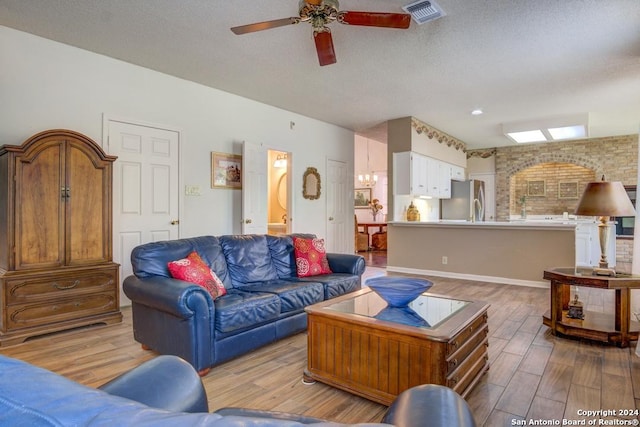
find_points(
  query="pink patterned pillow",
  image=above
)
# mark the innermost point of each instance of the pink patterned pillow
(193, 269)
(311, 257)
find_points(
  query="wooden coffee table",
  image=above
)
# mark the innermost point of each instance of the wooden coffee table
(358, 344)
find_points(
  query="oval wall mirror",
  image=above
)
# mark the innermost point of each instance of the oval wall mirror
(282, 191)
(311, 184)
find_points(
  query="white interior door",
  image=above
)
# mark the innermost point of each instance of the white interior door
(339, 208)
(145, 188)
(254, 188)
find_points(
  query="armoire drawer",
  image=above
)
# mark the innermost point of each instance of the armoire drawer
(32, 289)
(60, 310)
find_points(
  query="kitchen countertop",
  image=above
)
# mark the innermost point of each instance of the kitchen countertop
(527, 224)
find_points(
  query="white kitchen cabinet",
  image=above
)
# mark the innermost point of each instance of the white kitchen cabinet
(457, 173)
(409, 174)
(588, 245)
(444, 180)
(419, 175)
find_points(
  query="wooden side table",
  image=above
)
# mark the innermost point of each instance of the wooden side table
(614, 328)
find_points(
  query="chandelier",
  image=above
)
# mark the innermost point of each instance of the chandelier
(368, 180)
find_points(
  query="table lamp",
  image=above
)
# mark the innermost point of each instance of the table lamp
(604, 199)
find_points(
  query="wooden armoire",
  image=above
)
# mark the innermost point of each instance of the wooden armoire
(56, 264)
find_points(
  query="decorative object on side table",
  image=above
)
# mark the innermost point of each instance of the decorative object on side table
(376, 207)
(398, 291)
(575, 309)
(604, 199)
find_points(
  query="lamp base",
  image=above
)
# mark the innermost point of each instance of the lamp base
(599, 271)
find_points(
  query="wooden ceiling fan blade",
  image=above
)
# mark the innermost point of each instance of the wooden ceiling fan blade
(324, 47)
(376, 19)
(266, 25)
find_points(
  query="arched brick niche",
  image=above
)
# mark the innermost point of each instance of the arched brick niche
(615, 157)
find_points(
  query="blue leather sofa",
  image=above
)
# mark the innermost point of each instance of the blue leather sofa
(167, 391)
(265, 298)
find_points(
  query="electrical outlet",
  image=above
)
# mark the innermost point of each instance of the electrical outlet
(445, 260)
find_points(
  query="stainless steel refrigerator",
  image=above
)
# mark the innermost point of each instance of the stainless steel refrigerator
(466, 202)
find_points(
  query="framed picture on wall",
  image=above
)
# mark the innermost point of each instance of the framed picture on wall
(362, 198)
(536, 188)
(568, 190)
(226, 170)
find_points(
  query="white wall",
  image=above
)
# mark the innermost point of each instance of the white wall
(45, 85)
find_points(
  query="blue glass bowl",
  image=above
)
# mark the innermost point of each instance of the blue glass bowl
(403, 315)
(398, 291)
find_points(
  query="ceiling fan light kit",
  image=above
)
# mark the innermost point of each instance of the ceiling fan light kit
(321, 13)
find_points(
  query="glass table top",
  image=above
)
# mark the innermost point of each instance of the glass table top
(426, 311)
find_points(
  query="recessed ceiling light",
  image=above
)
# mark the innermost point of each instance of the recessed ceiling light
(527, 136)
(476, 112)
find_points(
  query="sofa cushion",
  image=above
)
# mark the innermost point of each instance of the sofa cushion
(193, 269)
(311, 257)
(335, 284)
(240, 309)
(248, 258)
(150, 259)
(294, 295)
(282, 254)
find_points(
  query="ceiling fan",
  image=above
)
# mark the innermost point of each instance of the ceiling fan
(320, 13)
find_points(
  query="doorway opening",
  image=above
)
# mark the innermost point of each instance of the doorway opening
(278, 200)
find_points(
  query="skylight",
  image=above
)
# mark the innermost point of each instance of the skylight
(568, 132)
(527, 136)
(548, 129)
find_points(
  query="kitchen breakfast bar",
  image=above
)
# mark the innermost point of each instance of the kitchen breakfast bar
(499, 252)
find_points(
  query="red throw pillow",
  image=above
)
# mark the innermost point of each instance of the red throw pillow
(311, 258)
(193, 269)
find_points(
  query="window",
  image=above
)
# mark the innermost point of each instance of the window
(625, 224)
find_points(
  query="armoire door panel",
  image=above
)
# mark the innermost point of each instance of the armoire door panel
(87, 182)
(39, 203)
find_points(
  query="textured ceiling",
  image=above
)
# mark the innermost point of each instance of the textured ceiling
(518, 60)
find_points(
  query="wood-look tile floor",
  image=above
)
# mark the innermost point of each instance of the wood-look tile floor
(533, 375)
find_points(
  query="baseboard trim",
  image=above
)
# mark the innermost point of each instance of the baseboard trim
(475, 277)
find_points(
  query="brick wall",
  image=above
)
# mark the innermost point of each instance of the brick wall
(549, 188)
(615, 157)
(624, 255)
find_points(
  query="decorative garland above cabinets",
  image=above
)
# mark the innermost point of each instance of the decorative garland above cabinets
(440, 136)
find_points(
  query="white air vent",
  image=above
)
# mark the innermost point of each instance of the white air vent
(424, 11)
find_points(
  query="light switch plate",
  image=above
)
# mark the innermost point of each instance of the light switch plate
(192, 190)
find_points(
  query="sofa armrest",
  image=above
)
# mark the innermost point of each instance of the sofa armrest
(166, 382)
(179, 298)
(346, 263)
(429, 405)
(272, 415)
